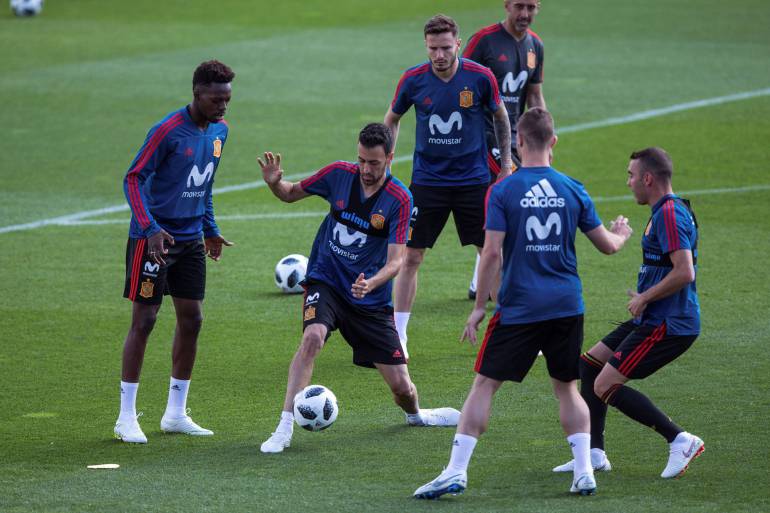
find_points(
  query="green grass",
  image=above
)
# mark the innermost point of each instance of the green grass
(84, 82)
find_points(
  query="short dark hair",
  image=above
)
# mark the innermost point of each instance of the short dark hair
(376, 134)
(656, 161)
(536, 128)
(439, 24)
(213, 71)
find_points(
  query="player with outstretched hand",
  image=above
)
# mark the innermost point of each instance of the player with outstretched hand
(358, 250)
(532, 219)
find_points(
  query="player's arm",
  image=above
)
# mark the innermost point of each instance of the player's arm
(393, 121)
(503, 134)
(273, 176)
(535, 96)
(681, 275)
(364, 285)
(612, 240)
(489, 267)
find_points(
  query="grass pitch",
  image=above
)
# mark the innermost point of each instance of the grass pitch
(82, 84)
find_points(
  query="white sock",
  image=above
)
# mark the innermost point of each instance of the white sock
(597, 456)
(286, 425)
(128, 399)
(177, 398)
(402, 319)
(475, 279)
(462, 450)
(581, 451)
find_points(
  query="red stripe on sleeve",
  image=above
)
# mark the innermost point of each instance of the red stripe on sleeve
(669, 215)
(403, 199)
(345, 166)
(409, 73)
(477, 37)
(133, 184)
(533, 34)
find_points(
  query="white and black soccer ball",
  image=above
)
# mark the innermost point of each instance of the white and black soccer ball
(315, 408)
(289, 272)
(24, 8)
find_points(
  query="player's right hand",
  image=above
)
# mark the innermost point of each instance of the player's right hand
(472, 325)
(156, 246)
(271, 167)
(621, 227)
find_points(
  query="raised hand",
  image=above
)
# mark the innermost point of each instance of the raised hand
(621, 227)
(271, 167)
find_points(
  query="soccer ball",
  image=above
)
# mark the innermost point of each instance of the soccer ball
(289, 272)
(24, 8)
(315, 408)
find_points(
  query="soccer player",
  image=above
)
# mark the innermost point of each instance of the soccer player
(449, 170)
(665, 323)
(515, 55)
(532, 219)
(359, 248)
(168, 187)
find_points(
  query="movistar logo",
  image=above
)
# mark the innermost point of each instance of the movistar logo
(198, 178)
(511, 85)
(534, 229)
(344, 237)
(436, 122)
(541, 195)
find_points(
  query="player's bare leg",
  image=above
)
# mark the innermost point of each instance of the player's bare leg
(575, 420)
(300, 373)
(142, 322)
(473, 422)
(405, 396)
(189, 319)
(405, 291)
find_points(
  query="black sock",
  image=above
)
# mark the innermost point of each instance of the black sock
(637, 406)
(589, 369)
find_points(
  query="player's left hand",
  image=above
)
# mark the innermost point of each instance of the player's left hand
(361, 287)
(637, 304)
(472, 325)
(214, 246)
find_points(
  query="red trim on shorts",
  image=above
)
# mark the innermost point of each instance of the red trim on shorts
(493, 322)
(641, 350)
(492, 163)
(136, 267)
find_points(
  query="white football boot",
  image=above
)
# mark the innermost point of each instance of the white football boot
(685, 448)
(277, 442)
(127, 429)
(599, 462)
(452, 482)
(444, 417)
(184, 425)
(584, 484)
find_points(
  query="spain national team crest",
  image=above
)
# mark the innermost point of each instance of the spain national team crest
(309, 313)
(378, 221)
(147, 289)
(217, 148)
(466, 98)
(531, 59)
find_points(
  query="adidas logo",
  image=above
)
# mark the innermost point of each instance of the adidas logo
(427, 101)
(175, 387)
(397, 354)
(502, 58)
(542, 195)
(618, 355)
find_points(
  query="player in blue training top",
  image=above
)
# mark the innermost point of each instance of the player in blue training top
(514, 53)
(359, 248)
(168, 188)
(532, 218)
(450, 172)
(665, 323)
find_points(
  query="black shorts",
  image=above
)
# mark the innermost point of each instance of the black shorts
(494, 160)
(371, 333)
(433, 205)
(183, 276)
(639, 351)
(510, 350)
